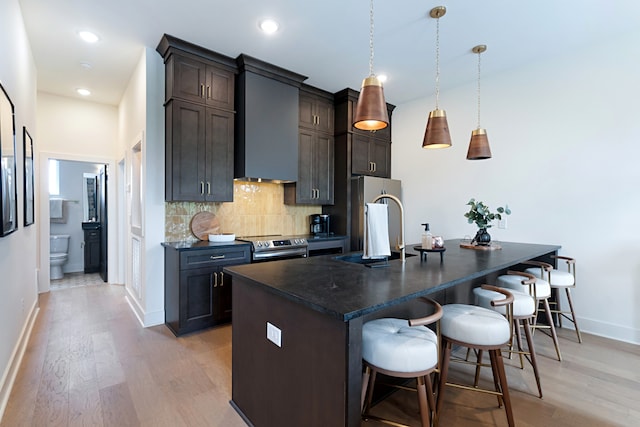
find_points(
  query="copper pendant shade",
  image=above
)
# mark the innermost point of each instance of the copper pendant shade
(479, 145)
(437, 132)
(371, 109)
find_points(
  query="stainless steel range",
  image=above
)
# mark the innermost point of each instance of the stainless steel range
(271, 248)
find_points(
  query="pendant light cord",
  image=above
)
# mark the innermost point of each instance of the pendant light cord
(371, 39)
(437, 62)
(479, 53)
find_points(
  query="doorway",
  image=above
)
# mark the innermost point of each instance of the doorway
(78, 196)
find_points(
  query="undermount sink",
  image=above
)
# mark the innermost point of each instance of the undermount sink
(356, 258)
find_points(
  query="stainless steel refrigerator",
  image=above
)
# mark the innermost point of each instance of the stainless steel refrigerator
(363, 190)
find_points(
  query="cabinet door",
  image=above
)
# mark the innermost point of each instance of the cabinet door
(315, 168)
(360, 163)
(370, 156)
(189, 79)
(323, 149)
(305, 191)
(222, 298)
(219, 156)
(219, 88)
(316, 113)
(380, 156)
(185, 152)
(196, 299)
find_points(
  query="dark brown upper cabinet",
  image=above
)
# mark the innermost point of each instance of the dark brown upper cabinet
(199, 122)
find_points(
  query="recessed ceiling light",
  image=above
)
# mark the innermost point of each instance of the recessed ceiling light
(88, 36)
(85, 66)
(382, 77)
(269, 26)
(83, 92)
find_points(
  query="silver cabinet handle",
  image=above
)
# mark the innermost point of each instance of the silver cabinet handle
(221, 278)
(208, 188)
(201, 91)
(208, 92)
(374, 166)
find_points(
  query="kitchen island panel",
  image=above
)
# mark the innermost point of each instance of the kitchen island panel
(305, 378)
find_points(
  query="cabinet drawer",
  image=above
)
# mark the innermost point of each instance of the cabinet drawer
(215, 257)
(91, 234)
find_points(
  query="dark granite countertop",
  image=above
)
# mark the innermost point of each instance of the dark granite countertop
(201, 244)
(347, 290)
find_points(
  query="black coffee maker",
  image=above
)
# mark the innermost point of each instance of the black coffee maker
(319, 225)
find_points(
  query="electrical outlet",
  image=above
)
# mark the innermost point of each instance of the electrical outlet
(502, 223)
(274, 334)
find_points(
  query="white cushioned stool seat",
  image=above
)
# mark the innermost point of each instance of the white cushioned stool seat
(523, 303)
(512, 281)
(474, 325)
(393, 345)
(559, 279)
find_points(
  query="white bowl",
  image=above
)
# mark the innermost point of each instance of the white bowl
(224, 237)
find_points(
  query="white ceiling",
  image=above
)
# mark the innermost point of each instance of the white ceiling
(327, 40)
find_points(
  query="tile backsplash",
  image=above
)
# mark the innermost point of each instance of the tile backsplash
(257, 209)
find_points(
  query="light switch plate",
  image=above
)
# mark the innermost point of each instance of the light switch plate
(274, 334)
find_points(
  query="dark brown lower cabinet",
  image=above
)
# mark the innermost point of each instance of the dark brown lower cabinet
(197, 291)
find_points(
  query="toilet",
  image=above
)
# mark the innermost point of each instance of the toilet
(58, 253)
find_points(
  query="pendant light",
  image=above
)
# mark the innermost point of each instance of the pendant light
(479, 144)
(371, 109)
(437, 133)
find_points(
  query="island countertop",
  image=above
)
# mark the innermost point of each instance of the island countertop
(346, 290)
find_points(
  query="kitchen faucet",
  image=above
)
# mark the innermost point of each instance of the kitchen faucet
(399, 245)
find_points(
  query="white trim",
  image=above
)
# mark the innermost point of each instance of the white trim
(9, 377)
(146, 319)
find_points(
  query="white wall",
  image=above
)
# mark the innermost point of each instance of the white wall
(564, 138)
(18, 254)
(78, 130)
(142, 118)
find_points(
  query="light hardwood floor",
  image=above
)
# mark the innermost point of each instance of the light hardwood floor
(90, 363)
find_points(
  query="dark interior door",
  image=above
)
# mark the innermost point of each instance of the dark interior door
(102, 191)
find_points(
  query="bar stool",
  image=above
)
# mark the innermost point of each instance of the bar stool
(403, 349)
(540, 290)
(559, 279)
(524, 307)
(481, 329)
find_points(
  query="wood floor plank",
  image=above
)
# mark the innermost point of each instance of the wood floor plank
(117, 407)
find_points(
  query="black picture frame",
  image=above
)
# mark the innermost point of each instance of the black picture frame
(29, 194)
(8, 188)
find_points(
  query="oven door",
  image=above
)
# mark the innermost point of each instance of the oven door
(279, 254)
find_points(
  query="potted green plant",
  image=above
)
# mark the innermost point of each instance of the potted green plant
(481, 215)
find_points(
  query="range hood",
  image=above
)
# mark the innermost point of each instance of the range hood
(266, 141)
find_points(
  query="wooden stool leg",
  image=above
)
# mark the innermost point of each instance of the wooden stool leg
(365, 384)
(573, 315)
(372, 380)
(422, 401)
(552, 328)
(446, 354)
(430, 395)
(478, 362)
(532, 354)
(496, 360)
(516, 325)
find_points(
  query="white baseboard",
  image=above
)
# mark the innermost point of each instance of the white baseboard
(607, 330)
(145, 319)
(15, 361)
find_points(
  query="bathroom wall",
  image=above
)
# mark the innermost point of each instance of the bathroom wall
(71, 181)
(257, 210)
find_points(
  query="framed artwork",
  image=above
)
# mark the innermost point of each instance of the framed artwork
(8, 190)
(28, 177)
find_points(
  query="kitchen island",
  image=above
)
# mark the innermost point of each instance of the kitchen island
(297, 325)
